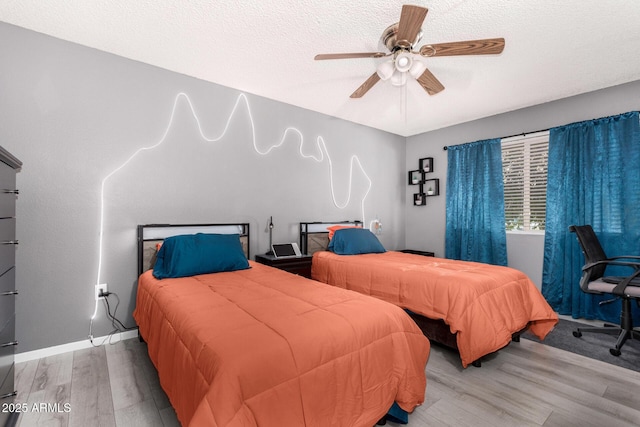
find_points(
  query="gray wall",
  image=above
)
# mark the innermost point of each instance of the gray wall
(425, 226)
(76, 117)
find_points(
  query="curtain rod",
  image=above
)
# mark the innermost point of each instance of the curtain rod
(516, 134)
(524, 134)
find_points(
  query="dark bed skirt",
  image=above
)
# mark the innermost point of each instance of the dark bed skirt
(435, 329)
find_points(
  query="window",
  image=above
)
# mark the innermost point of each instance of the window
(524, 171)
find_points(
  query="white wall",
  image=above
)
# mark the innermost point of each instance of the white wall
(525, 252)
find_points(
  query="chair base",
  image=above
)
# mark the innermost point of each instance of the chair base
(624, 330)
(623, 335)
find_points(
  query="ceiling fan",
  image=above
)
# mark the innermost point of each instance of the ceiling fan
(400, 39)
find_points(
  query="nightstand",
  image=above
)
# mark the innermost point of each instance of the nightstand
(296, 265)
(413, 251)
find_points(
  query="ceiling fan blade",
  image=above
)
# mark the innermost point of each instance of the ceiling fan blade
(429, 83)
(469, 47)
(349, 55)
(411, 20)
(368, 84)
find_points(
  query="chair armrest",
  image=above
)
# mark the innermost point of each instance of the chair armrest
(618, 290)
(612, 261)
(625, 256)
(620, 287)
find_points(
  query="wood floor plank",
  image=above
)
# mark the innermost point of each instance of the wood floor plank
(599, 378)
(140, 414)
(160, 398)
(565, 382)
(491, 387)
(134, 382)
(50, 392)
(53, 371)
(169, 417)
(463, 413)
(558, 357)
(566, 397)
(128, 383)
(38, 412)
(25, 374)
(91, 400)
(624, 392)
(151, 375)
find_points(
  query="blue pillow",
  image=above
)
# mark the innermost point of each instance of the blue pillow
(192, 254)
(353, 241)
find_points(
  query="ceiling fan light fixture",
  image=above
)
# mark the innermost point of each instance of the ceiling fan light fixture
(385, 70)
(403, 62)
(398, 78)
(417, 69)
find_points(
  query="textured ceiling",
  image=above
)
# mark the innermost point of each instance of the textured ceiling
(553, 49)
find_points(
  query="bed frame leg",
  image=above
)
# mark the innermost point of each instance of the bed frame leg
(477, 363)
(515, 337)
(140, 339)
(382, 421)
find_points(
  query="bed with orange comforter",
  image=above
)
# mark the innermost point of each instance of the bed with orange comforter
(482, 304)
(261, 346)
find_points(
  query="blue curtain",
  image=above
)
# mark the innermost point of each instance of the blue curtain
(475, 203)
(593, 178)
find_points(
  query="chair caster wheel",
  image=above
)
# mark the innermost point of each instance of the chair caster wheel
(577, 334)
(615, 352)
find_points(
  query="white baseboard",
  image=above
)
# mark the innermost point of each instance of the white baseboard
(78, 345)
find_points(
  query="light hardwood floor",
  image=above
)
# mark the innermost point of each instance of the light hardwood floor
(525, 384)
(111, 385)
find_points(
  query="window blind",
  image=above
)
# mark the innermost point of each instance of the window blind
(524, 168)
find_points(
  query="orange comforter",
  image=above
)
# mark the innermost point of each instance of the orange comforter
(265, 347)
(484, 304)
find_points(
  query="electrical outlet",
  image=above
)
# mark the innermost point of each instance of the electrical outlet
(100, 289)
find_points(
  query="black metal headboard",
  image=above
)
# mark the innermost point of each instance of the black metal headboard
(150, 235)
(314, 236)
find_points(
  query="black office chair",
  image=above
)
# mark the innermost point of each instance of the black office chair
(594, 281)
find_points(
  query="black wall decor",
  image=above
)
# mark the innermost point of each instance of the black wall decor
(426, 187)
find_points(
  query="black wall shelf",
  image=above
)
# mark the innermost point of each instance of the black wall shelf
(427, 187)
